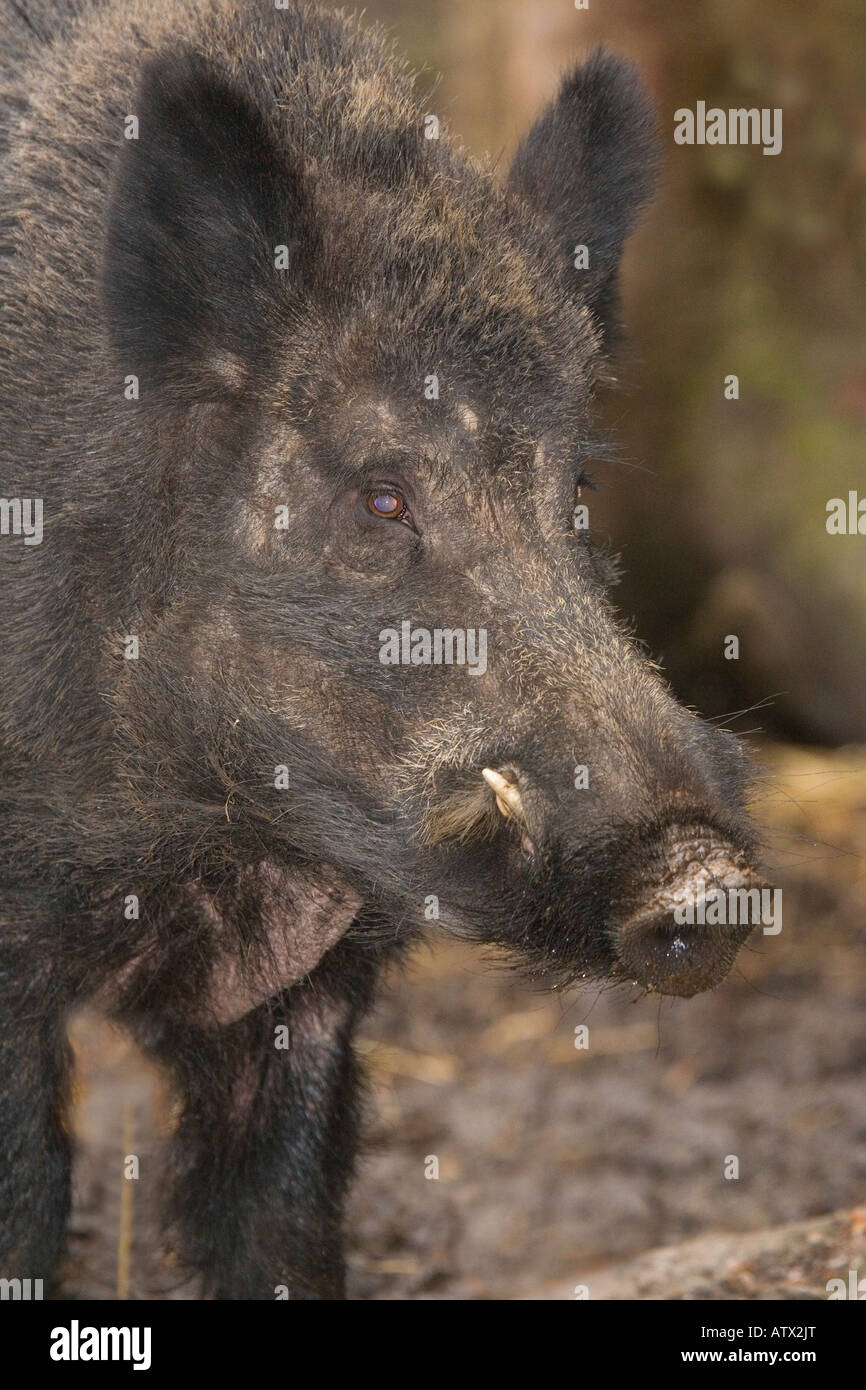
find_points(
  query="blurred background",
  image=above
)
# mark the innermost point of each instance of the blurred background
(558, 1166)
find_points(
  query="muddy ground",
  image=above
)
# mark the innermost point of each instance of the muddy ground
(560, 1167)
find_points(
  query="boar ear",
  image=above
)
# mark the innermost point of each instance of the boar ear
(302, 915)
(588, 166)
(200, 201)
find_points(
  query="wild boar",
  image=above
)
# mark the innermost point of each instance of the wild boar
(306, 649)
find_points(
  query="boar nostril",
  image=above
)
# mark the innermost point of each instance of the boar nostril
(654, 945)
(682, 960)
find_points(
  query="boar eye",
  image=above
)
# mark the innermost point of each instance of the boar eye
(386, 503)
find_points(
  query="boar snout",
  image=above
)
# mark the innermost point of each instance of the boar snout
(662, 896)
(691, 907)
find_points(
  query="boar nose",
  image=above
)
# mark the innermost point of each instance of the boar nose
(659, 937)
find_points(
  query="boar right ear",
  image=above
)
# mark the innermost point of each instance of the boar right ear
(587, 167)
(200, 202)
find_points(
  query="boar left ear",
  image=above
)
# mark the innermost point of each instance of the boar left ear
(201, 199)
(588, 166)
(300, 916)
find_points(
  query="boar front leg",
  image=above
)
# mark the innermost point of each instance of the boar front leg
(266, 1144)
(34, 1146)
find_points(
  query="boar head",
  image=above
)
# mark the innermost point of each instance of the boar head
(367, 376)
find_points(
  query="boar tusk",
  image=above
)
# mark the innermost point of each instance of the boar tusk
(508, 797)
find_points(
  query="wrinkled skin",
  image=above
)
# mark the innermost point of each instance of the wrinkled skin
(246, 820)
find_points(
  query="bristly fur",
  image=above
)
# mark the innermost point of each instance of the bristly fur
(232, 316)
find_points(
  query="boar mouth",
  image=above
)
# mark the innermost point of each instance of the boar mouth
(469, 814)
(509, 801)
(629, 906)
